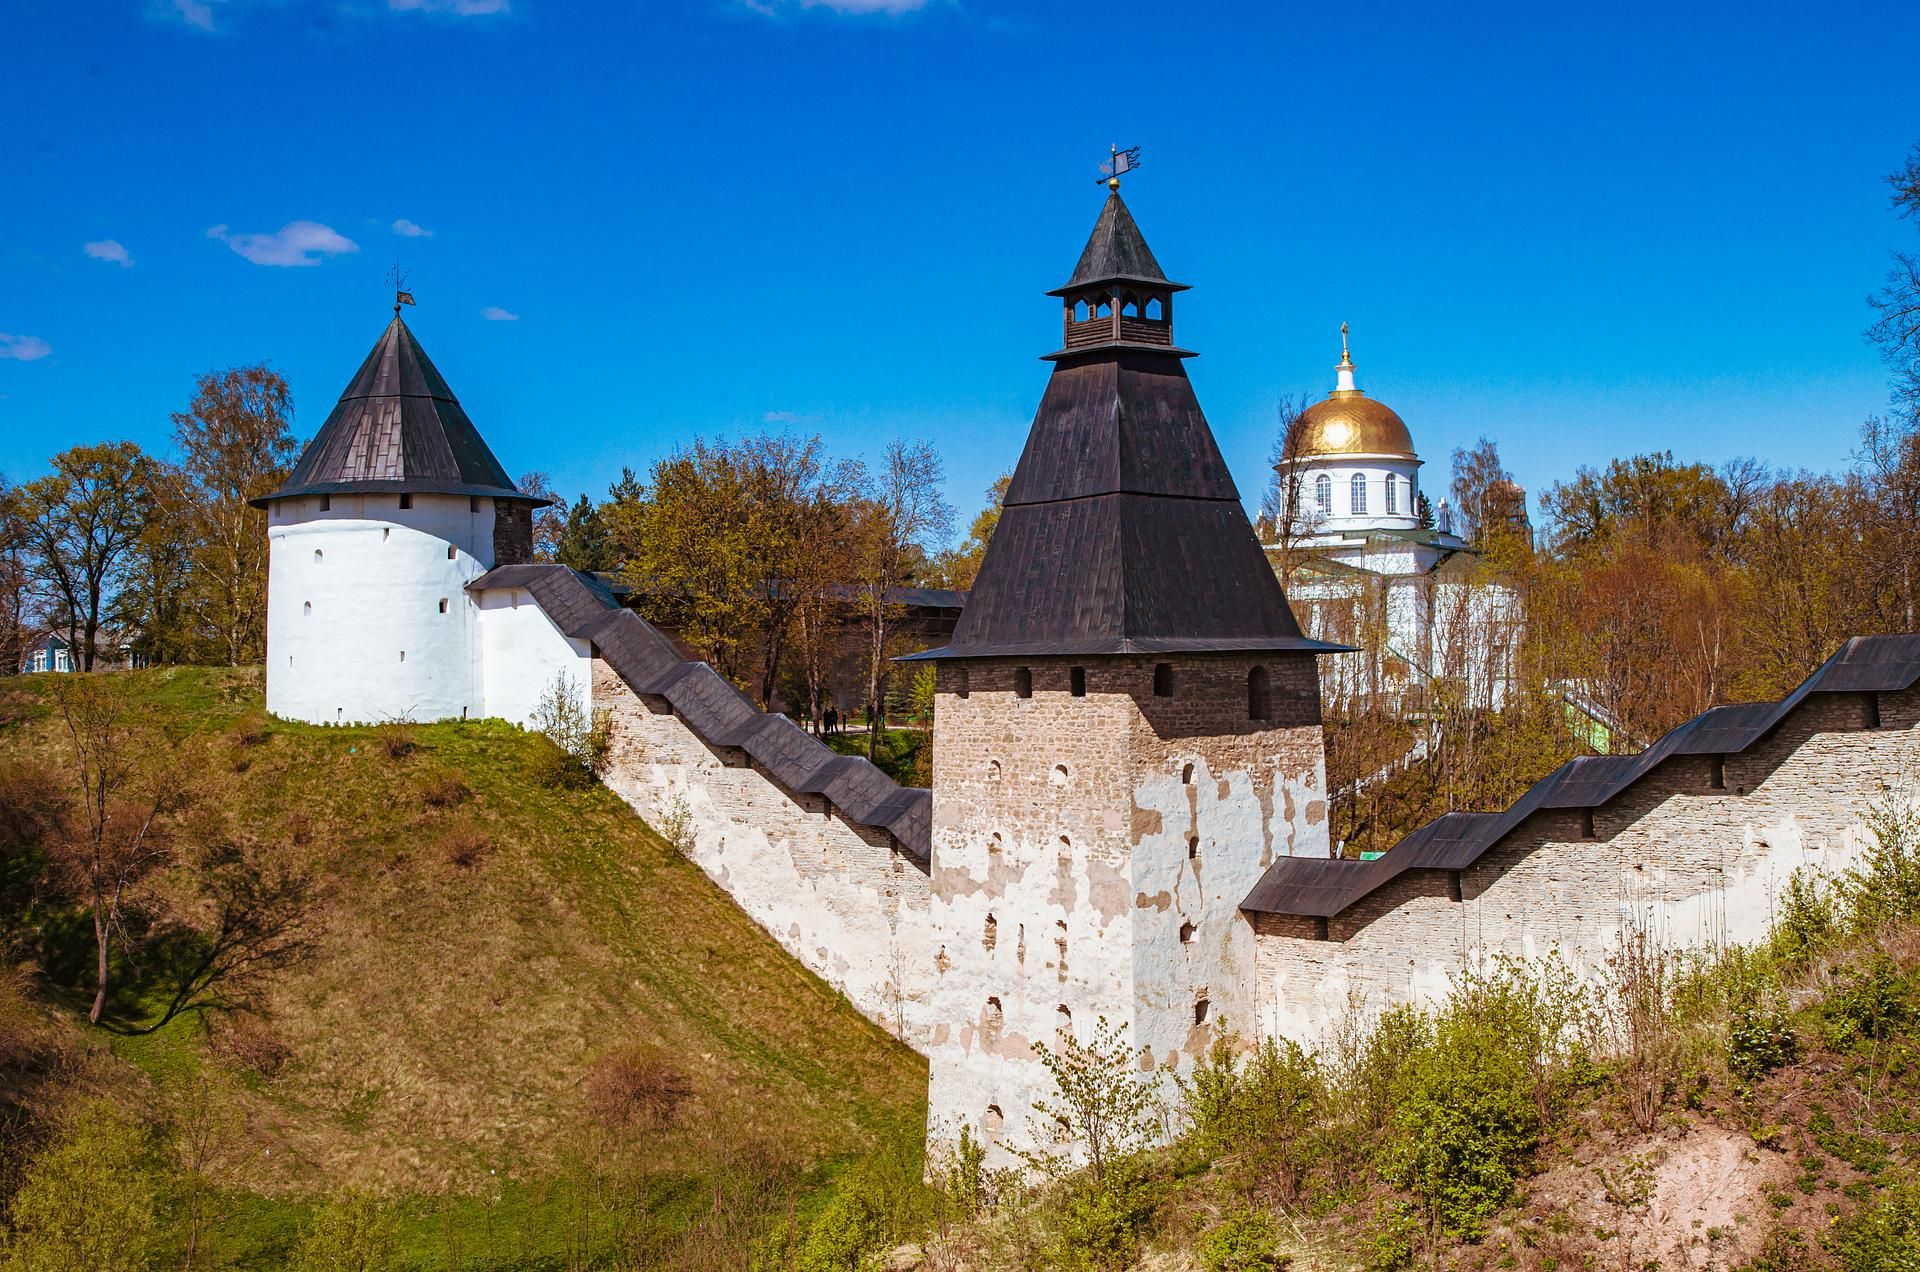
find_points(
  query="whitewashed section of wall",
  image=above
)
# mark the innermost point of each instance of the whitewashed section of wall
(366, 617)
(837, 896)
(521, 652)
(1695, 865)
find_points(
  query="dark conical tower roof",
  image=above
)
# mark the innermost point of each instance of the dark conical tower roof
(1116, 251)
(1122, 531)
(397, 430)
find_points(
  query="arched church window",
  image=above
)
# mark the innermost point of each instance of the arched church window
(1080, 311)
(1359, 487)
(1393, 493)
(1323, 494)
(1154, 309)
(1257, 694)
(318, 556)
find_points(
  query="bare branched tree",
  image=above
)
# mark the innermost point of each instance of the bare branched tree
(901, 517)
(1287, 510)
(126, 785)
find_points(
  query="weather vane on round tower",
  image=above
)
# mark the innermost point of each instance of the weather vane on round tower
(397, 279)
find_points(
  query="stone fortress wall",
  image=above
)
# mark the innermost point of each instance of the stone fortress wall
(1695, 852)
(841, 897)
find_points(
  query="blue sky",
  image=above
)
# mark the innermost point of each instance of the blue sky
(1580, 230)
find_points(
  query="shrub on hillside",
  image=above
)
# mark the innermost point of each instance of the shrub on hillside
(395, 738)
(1500, 1058)
(444, 790)
(1263, 1112)
(89, 1200)
(1873, 1002)
(633, 1088)
(350, 1233)
(1245, 1241)
(1808, 920)
(464, 845)
(582, 739)
(1885, 1237)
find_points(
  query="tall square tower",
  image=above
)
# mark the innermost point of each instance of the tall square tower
(1126, 730)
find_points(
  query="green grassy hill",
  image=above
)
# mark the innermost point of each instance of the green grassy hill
(491, 958)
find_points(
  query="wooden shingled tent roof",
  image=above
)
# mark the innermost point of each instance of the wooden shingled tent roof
(1122, 531)
(397, 429)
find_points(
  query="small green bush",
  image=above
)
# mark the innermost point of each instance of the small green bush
(88, 1200)
(1242, 1242)
(1265, 1112)
(1882, 1238)
(1874, 1001)
(1102, 1218)
(845, 1237)
(1759, 1040)
(1392, 1236)
(350, 1233)
(1503, 1054)
(1809, 921)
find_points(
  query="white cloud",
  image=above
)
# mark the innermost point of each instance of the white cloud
(23, 348)
(787, 417)
(407, 229)
(458, 8)
(107, 250)
(493, 313)
(295, 243)
(197, 14)
(851, 8)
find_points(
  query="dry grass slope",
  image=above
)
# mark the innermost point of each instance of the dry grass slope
(482, 942)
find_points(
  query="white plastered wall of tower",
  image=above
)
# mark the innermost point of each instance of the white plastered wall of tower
(367, 619)
(522, 654)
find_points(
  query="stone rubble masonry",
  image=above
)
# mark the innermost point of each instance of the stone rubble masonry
(840, 897)
(1695, 865)
(512, 532)
(1089, 857)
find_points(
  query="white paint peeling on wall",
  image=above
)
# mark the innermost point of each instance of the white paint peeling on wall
(1696, 869)
(840, 898)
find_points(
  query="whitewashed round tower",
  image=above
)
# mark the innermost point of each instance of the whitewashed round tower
(394, 507)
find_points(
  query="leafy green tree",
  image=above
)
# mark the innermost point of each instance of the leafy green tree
(958, 566)
(89, 1199)
(582, 541)
(352, 1232)
(1103, 1109)
(235, 443)
(82, 521)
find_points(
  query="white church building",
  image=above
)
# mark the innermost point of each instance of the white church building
(1365, 566)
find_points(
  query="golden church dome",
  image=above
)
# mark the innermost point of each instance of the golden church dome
(1349, 422)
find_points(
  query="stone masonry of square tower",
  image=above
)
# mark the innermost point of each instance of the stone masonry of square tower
(1092, 842)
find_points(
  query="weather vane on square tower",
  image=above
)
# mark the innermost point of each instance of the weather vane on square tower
(1119, 161)
(397, 279)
